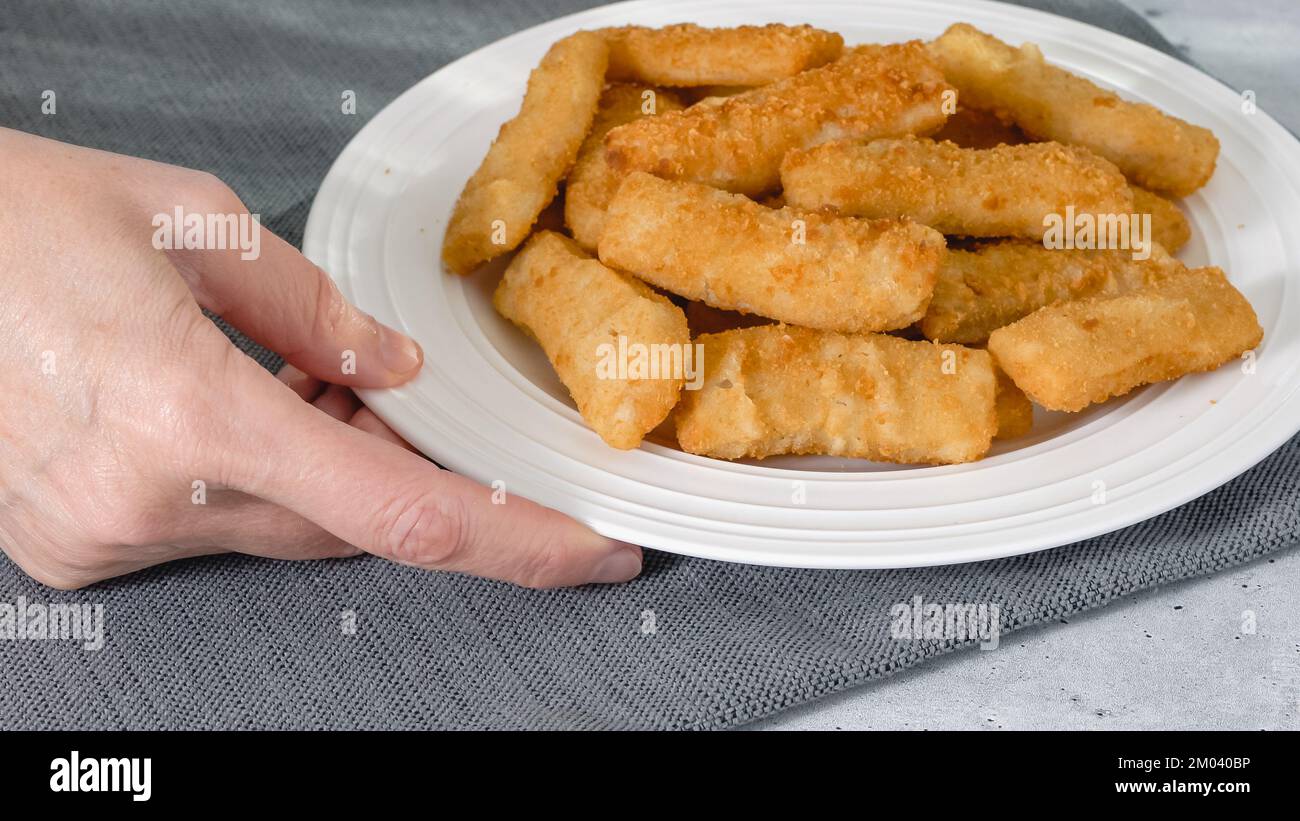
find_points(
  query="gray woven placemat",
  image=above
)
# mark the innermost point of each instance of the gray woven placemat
(251, 92)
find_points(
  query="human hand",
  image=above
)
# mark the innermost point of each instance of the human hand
(132, 432)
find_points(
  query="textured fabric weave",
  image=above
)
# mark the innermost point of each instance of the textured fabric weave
(251, 92)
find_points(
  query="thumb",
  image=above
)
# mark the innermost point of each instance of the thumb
(391, 502)
(288, 304)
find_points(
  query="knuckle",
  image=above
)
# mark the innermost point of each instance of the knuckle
(545, 567)
(208, 193)
(332, 311)
(422, 530)
(192, 419)
(186, 419)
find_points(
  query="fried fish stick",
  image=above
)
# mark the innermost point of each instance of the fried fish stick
(530, 155)
(1168, 225)
(816, 270)
(1014, 410)
(1068, 356)
(583, 314)
(737, 143)
(690, 55)
(591, 183)
(780, 389)
(1006, 191)
(997, 283)
(1152, 148)
(972, 128)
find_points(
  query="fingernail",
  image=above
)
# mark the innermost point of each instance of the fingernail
(291, 376)
(400, 353)
(622, 565)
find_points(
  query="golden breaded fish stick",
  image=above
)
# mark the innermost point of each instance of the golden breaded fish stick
(591, 183)
(584, 315)
(972, 128)
(782, 389)
(996, 283)
(1068, 356)
(690, 55)
(816, 270)
(1005, 191)
(1014, 410)
(1152, 148)
(737, 143)
(1168, 225)
(530, 155)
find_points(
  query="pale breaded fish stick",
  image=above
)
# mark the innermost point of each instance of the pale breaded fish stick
(816, 270)
(591, 184)
(690, 55)
(972, 128)
(996, 283)
(530, 155)
(1152, 148)
(579, 311)
(780, 389)
(737, 143)
(1005, 191)
(1068, 356)
(1168, 225)
(1014, 410)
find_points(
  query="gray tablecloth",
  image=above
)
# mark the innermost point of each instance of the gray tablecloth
(251, 91)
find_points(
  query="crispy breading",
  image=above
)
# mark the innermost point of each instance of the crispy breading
(530, 155)
(691, 55)
(591, 183)
(973, 128)
(1014, 410)
(1068, 356)
(1006, 191)
(1168, 225)
(780, 389)
(816, 270)
(582, 314)
(737, 144)
(1152, 148)
(996, 283)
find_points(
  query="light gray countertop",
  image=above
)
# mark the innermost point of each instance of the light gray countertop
(1216, 653)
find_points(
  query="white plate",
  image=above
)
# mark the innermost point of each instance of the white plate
(488, 405)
